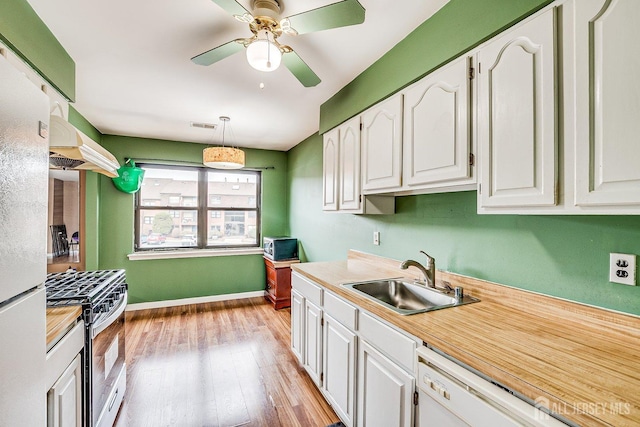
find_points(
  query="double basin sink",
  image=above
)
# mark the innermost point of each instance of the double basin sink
(406, 297)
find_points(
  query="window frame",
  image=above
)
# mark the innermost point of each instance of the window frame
(202, 209)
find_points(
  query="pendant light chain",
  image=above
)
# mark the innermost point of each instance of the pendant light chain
(224, 127)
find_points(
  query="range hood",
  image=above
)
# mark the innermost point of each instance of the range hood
(71, 149)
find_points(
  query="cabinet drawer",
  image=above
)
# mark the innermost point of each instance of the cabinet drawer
(271, 274)
(308, 289)
(63, 353)
(399, 347)
(340, 310)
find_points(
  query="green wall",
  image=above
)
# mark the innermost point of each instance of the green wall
(564, 256)
(166, 279)
(456, 28)
(23, 30)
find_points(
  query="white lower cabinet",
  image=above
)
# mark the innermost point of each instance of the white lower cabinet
(386, 382)
(363, 366)
(385, 390)
(297, 325)
(64, 400)
(313, 341)
(63, 377)
(306, 325)
(339, 376)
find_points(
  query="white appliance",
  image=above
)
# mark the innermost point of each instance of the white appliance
(24, 118)
(452, 396)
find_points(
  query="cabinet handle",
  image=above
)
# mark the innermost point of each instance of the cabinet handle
(113, 400)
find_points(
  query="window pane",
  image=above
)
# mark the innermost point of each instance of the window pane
(227, 228)
(167, 187)
(163, 228)
(169, 208)
(231, 190)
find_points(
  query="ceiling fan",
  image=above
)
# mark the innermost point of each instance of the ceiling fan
(263, 50)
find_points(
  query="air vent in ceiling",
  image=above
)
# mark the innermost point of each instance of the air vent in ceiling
(203, 125)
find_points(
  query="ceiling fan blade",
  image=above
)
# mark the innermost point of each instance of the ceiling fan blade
(218, 53)
(341, 14)
(300, 69)
(232, 7)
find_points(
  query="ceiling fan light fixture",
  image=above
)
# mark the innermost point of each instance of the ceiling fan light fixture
(263, 54)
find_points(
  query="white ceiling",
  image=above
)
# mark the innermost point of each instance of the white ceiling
(134, 75)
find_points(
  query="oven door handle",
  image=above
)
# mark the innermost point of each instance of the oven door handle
(111, 317)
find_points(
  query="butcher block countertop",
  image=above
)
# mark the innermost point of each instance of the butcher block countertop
(579, 361)
(59, 321)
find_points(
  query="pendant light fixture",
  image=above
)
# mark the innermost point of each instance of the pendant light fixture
(263, 54)
(223, 157)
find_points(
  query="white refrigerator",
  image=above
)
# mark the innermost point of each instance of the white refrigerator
(24, 148)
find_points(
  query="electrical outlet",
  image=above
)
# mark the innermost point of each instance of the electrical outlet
(622, 269)
(376, 238)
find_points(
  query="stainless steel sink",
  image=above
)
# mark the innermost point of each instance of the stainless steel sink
(405, 297)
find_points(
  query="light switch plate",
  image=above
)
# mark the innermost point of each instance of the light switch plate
(376, 238)
(622, 269)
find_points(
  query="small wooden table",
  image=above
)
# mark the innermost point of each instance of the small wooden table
(279, 282)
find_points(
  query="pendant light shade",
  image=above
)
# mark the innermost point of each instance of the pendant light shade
(223, 157)
(263, 54)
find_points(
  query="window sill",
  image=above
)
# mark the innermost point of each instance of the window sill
(193, 253)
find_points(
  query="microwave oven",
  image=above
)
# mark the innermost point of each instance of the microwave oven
(280, 248)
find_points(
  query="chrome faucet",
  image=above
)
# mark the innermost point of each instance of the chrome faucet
(429, 271)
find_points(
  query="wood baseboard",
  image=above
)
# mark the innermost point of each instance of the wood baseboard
(195, 300)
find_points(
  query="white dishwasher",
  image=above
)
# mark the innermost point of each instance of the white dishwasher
(452, 396)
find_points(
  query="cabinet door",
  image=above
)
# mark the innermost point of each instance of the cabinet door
(436, 127)
(312, 341)
(385, 391)
(297, 325)
(607, 108)
(349, 166)
(64, 405)
(330, 150)
(517, 116)
(339, 364)
(382, 146)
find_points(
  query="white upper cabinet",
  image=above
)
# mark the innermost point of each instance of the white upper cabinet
(330, 151)
(349, 166)
(382, 146)
(437, 143)
(517, 116)
(342, 190)
(607, 103)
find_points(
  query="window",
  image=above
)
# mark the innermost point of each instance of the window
(197, 207)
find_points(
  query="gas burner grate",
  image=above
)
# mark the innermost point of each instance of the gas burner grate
(82, 286)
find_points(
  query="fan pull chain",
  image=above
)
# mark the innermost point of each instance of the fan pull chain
(268, 52)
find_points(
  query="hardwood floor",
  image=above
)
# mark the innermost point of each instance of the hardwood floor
(216, 364)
